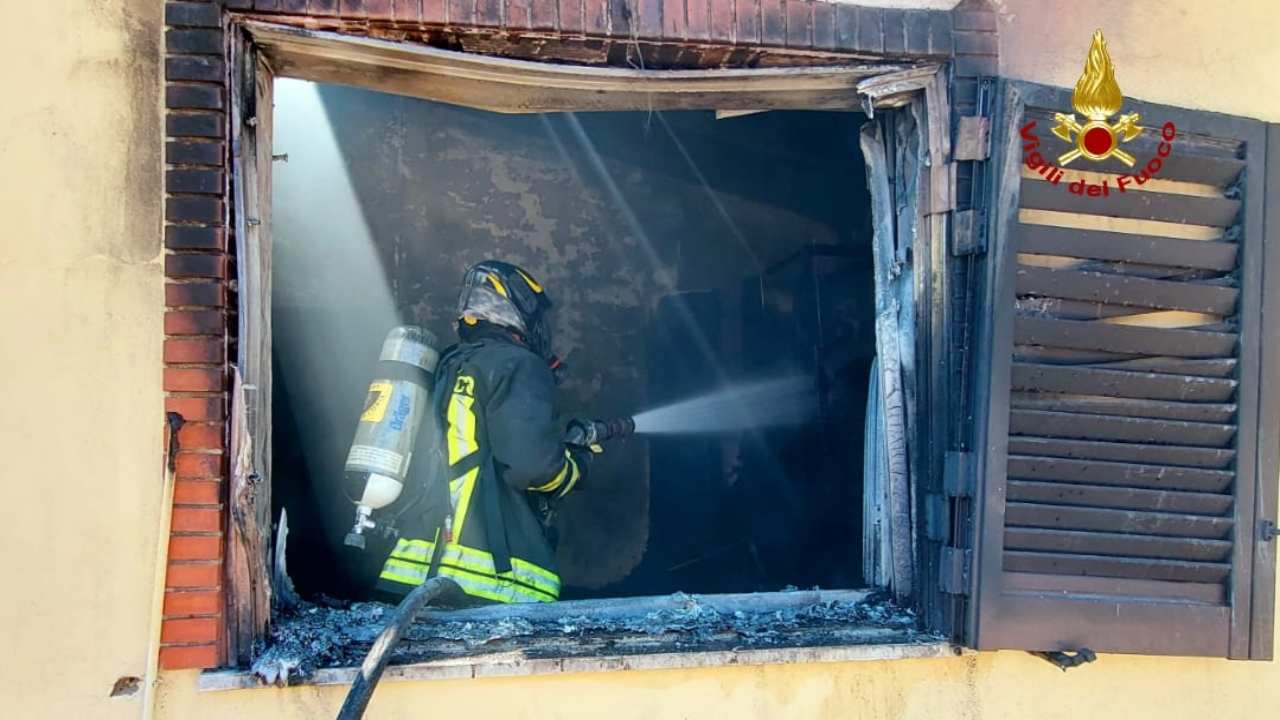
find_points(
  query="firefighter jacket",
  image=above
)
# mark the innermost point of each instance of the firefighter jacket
(501, 459)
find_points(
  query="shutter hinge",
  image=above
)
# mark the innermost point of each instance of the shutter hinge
(957, 479)
(973, 138)
(1268, 531)
(954, 569)
(968, 232)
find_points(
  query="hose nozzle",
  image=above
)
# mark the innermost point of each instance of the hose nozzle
(585, 433)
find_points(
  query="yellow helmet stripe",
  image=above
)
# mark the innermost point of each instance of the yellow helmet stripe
(497, 284)
(533, 284)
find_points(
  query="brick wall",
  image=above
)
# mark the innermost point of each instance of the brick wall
(196, 329)
(199, 295)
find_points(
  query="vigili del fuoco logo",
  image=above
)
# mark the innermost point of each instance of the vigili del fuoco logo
(1097, 97)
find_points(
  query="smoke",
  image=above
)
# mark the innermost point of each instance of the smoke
(770, 403)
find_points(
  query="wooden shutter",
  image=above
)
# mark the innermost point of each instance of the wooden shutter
(1126, 462)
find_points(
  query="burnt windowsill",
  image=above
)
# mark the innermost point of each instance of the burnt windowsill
(667, 632)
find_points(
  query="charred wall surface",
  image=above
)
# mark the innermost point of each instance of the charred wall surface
(615, 213)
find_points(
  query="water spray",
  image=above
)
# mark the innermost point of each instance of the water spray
(769, 403)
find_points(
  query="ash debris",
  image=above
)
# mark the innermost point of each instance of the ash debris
(313, 635)
(316, 636)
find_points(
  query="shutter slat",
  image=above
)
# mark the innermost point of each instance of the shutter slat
(1116, 289)
(1124, 498)
(1156, 409)
(1124, 247)
(1215, 368)
(1120, 567)
(1083, 335)
(1100, 543)
(1127, 588)
(1139, 205)
(1120, 383)
(1119, 474)
(1166, 457)
(1019, 514)
(1081, 426)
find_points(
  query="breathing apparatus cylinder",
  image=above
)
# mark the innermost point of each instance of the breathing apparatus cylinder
(399, 399)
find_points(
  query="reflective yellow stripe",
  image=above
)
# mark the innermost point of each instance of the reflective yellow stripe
(573, 476)
(493, 588)
(412, 557)
(462, 427)
(461, 491)
(555, 481)
(404, 572)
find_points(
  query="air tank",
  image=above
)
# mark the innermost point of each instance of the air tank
(398, 401)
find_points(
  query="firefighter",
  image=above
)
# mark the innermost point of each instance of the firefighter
(503, 464)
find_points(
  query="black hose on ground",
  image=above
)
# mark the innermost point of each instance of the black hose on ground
(376, 661)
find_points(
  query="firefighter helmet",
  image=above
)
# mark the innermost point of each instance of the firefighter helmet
(505, 295)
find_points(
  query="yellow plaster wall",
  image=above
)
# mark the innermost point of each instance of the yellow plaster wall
(81, 302)
(1220, 56)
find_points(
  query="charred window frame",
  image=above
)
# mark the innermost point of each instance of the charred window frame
(910, 136)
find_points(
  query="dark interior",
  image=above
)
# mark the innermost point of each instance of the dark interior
(684, 253)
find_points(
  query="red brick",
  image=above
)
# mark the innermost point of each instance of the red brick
(196, 408)
(189, 630)
(824, 26)
(200, 436)
(571, 20)
(648, 22)
(197, 519)
(193, 209)
(378, 9)
(195, 124)
(674, 26)
(698, 18)
(194, 322)
(194, 379)
(747, 17)
(721, 21)
(188, 491)
(195, 265)
(773, 22)
(435, 11)
(488, 13)
(194, 14)
(293, 6)
(542, 14)
(188, 657)
(187, 602)
(461, 12)
(191, 464)
(351, 8)
(208, 294)
(595, 19)
(195, 547)
(799, 21)
(198, 465)
(518, 16)
(185, 96)
(193, 350)
(194, 237)
(193, 575)
(408, 10)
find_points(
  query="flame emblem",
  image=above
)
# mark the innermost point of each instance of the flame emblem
(1097, 97)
